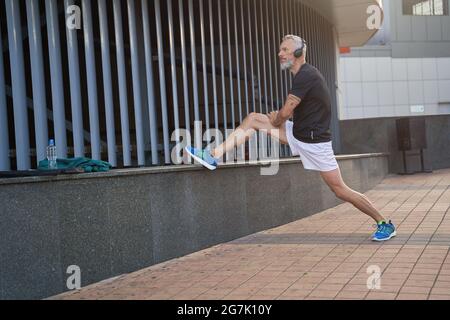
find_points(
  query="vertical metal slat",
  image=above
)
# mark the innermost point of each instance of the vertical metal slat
(121, 73)
(75, 89)
(184, 67)
(238, 71)
(269, 59)
(263, 135)
(249, 18)
(291, 16)
(18, 84)
(198, 136)
(213, 65)
(276, 44)
(253, 141)
(91, 79)
(150, 83)
(222, 67)
(288, 31)
(54, 48)
(244, 59)
(263, 53)
(4, 134)
(173, 66)
(282, 34)
(230, 65)
(269, 55)
(205, 71)
(278, 73)
(173, 70)
(308, 32)
(107, 84)
(258, 65)
(135, 70)
(240, 154)
(38, 81)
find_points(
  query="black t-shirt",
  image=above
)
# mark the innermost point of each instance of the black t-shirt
(313, 116)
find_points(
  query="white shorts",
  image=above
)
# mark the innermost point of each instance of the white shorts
(314, 156)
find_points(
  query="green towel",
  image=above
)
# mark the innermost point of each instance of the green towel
(88, 165)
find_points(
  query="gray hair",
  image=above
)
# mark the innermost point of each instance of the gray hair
(299, 42)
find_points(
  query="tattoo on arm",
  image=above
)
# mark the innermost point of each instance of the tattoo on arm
(293, 100)
(286, 112)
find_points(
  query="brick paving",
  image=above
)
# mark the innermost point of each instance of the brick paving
(326, 256)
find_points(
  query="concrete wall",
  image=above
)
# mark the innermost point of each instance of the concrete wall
(118, 222)
(368, 135)
(379, 87)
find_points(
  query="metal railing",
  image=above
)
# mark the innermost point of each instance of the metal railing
(139, 69)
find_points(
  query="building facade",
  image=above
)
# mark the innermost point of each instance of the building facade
(403, 71)
(116, 89)
(130, 73)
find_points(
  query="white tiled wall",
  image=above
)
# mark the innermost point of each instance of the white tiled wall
(399, 69)
(385, 93)
(443, 66)
(429, 68)
(373, 87)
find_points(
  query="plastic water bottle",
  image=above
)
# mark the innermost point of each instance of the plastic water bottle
(51, 154)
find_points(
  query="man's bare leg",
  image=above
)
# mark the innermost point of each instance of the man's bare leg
(343, 192)
(252, 123)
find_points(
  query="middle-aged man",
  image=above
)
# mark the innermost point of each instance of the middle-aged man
(308, 136)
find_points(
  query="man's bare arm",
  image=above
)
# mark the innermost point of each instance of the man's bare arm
(286, 112)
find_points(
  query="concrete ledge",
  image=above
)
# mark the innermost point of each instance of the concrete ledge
(168, 169)
(113, 223)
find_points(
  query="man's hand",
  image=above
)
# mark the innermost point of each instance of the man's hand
(273, 117)
(278, 118)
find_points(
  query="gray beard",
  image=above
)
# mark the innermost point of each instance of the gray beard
(287, 65)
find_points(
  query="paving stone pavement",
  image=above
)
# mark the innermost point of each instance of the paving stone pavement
(326, 256)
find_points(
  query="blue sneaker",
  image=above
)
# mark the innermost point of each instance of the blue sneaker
(203, 156)
(384, 232)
